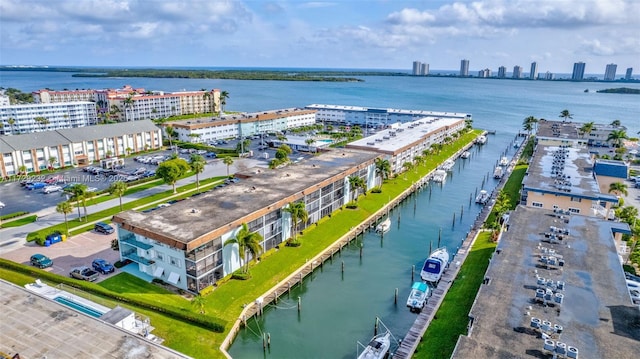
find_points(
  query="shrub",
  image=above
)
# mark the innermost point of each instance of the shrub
(376, 190)
(39, 240)
(240, 276)
(352, 205)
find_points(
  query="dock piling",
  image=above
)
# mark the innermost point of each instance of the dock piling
(395, 298)
(413, 270)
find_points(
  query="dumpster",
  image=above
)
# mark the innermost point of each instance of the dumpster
(47, 243)
(64, 237)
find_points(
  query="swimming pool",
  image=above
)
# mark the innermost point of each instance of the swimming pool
(79, 307)
(327, 141)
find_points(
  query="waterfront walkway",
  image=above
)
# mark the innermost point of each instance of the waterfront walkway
(420, 325)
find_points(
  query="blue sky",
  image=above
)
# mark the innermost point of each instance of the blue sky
(380, 34)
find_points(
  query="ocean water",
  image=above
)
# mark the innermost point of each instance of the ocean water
(494, 104)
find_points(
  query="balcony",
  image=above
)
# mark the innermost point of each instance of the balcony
(136, 258)
(131, 240)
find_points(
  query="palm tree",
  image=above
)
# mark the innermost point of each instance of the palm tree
(42, 121)
(616, 136)
(407, 167)
(11, 121)
(355, 183)
(615, 123)
(197, 163)
(309, 142)
(224, 95)
(587, 128)
(529, 124)
(22, 169)
(247, 242)
(195, 136)
(501, 206)
(78, 192)
(118, 188)
(383, 168)
(618, 188)
(227, 161)
(298, 213)
(52, 160)
(127, 103)
(199, 302)
(565, 114)
(65, 208)
(171, 133)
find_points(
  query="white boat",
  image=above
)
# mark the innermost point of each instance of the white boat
(439, 176)
(483, 197)
(378, 347)
(498, 172)
(435, 265)
(465, 155)
(481, 140)
(418, 296)
(516, 145)
(504, 161)
(447, 165)
(384, 226)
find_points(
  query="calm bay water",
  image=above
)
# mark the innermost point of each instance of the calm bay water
(494, 104)
(339, 310)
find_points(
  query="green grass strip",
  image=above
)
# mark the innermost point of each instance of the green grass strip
(19, 222)
(452, 317)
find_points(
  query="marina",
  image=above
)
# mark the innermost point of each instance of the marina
(357, 258)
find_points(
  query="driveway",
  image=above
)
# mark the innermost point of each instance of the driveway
(76, 251)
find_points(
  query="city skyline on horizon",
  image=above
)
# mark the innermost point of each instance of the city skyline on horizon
(305, 34)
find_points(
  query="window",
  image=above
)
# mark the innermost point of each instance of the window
(537, 204)
(555, 206)
(174, 261)
(575, 199)
(160, 256)
(574, 210)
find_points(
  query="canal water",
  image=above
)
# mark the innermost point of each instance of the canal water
(339, 309)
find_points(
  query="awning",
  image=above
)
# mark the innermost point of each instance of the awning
(158, 272)
(173, 278)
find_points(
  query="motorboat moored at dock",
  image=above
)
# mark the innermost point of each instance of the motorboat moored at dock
(481, 140)
(504, 161)
(384, 226)
(378, 347)
(498, 172)
(447, 165)
(418, 297)
(435, 265)
(483, 197)
(439, 176)
(465, 155)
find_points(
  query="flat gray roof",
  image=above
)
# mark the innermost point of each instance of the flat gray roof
(558, 129)
(186, 221)
(346, 108)
(403, 135)
(597, 315)
(574, 162)
(35, 327)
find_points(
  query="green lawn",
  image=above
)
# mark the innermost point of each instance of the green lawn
(452, 317)
(19, 222)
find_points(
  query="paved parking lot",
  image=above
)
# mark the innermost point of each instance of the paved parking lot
(76, 251)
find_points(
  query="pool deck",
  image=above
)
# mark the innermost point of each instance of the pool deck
(52, 293)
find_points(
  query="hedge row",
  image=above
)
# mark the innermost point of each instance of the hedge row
(13, 215)
(215, 324)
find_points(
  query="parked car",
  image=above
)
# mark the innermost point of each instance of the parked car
(211, 155)
(41, 261)
(102, 266)
(35, 185)
(52, 189)
(104, 228)
(84, 273)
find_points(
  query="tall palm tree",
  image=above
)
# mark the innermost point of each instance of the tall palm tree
(11, 121)
(618, 188)
(529, 124)
(65, 208)
(52, 160)
(224, 95)
(298, 212)
(616, 137)
(127, 104)
(227, 161)
(247, 242)
(78, 192)
(355, 183)
(309, 142)
(615, 123)
(383, 168)
(171, 133)
(118, 188)
(197, 163)
(565, 114)
(42, 121)
(587, 128)
(527, 127)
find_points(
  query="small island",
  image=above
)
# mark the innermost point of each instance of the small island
(624, 90)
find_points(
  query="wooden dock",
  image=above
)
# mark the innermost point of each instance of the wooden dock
(416, 332)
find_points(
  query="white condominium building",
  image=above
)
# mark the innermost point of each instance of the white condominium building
(28, 118)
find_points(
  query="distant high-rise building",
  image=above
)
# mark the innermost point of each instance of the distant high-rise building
(464, 68)
(517, 72)
(629, 73)
(533, 74)
(424, 69)
(502, 72)
(416, 68)
(484, 73)
(578, 71)
(548, 76)
(610, 72)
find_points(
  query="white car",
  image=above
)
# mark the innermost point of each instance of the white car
(91, 189)
(51, 189)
